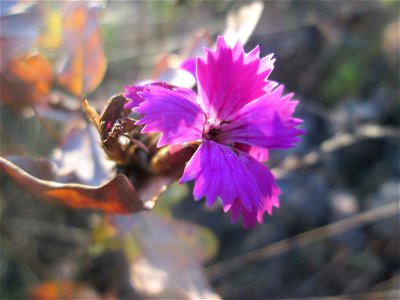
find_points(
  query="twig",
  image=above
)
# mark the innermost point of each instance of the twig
(337, 142)
(391, 294)
(219, 269)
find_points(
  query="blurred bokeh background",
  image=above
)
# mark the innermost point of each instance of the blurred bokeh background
(336, 233)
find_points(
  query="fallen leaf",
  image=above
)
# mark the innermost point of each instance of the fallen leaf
(116, 196)
(83, 62)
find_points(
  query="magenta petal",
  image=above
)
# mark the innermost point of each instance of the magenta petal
(178, 118)
(258, 153)
(269, 197)
(133, 92)
(219, 171)
(189, 65)
(245, 186)
(266, 123)
(229, 78)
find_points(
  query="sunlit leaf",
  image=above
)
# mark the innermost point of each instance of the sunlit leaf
(173, 69)
(26, 80)
(80, 153)
(51, 37)
(172, 253)
(116, 196)
(83, 63)
(20, 22)
(241, 24)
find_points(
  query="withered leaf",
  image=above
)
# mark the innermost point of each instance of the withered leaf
(116, 196)
(91, 113)
(113, 111)
(113, 123)
(83, 63)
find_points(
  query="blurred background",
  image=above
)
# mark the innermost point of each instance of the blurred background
(336, 234)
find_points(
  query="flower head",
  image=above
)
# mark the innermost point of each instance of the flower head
(237, 116)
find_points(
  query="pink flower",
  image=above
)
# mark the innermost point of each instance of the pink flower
(133, 92)
(237, 117)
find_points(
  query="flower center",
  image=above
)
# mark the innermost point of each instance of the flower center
(212, 130)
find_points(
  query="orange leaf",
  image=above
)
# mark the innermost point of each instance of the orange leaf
(57, 290)
(116, 196)
(26, 80)
(52, 290)
(83, 63)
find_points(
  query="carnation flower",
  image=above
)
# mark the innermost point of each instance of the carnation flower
(237, 116)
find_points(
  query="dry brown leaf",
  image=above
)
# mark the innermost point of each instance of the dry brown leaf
(91, 113)
(151, 172)
(113, 111)
(111, 125)
(26, 80)
(83, 63)
(116, 196)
